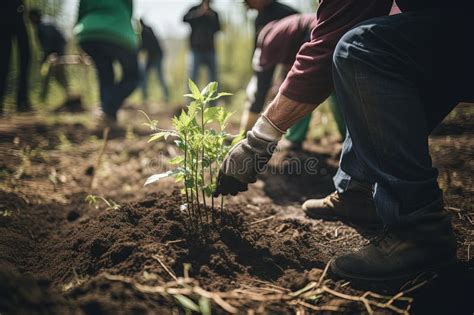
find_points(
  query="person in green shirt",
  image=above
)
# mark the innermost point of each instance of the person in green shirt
(104, 31)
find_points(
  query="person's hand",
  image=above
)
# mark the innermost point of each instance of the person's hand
(248, 158)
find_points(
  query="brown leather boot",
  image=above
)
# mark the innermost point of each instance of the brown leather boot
(424, 243)
(354, 207)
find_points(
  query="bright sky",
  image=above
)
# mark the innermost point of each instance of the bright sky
(165, 16)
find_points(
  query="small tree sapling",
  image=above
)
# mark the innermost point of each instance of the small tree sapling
(203, 149)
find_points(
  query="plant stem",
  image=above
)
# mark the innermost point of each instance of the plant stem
(196, 166)
(212, 196)
(188, 205)
(193, 210)
(203, 107)
(185, 167)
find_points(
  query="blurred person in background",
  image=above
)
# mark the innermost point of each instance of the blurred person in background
(278, 44)
(150, 45)
(268, 11)
(204, 22)
(12, 24)
(53, 46)
(104, 31)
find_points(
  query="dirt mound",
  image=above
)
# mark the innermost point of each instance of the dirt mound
(25, 295)
(136, 237)
(296, 176)
(101, 296)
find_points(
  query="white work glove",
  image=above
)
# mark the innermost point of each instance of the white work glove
(248, 158)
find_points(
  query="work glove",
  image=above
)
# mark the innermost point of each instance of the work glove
(248, 158)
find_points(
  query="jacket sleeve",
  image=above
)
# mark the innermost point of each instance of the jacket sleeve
(259, 85)
(191, 15)
(217, 23)
(310, 78)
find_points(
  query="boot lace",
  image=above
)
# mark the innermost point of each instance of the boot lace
(379, 238)
(332, 198)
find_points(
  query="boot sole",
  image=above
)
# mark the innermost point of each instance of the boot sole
(351, 223)
(393, 282)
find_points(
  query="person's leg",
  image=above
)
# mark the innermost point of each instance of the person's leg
(194, 63)
(162, 79)
(128, 61)
(105, 73)
(380, 97)
(5, 54)
(297, 133)
(24, 54)
(211, 61)
(381, 69)
(144, 68)
(60, 74)
(47, 70)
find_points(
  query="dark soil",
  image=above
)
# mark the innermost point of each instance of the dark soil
(56, 250)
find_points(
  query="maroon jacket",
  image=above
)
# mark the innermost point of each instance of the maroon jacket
(310, 78)
(279, 41)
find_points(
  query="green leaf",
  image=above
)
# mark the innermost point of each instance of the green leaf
(162, 134)
(212, 113)
(218, 96)
(189, 183)
(193, 108)
(210, 89)
(206, 162)
(157, 177)
(187, 303)
(152, 124)
(190, 96)
(209, 190)
(194, 90)
(205, 306)
(177, 160)
(223, 117)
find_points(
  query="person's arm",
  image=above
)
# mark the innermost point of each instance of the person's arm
(278, 81)
(217, 23)
(43, 43)
(194, 14)
(257, 89)
(310, 79)
(307, 85)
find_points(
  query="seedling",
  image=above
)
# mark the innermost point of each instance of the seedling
(201, 137)
(93, 201)
(27, 155)
(6, 213)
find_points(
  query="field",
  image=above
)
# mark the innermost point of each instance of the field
(79, 234)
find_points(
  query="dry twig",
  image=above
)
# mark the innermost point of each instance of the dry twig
(156, 257)
(262, 220)
(233, 301)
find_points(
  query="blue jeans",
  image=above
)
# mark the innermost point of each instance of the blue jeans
(197, 59)
(113, 93)
(145, 69)
(395, 83)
